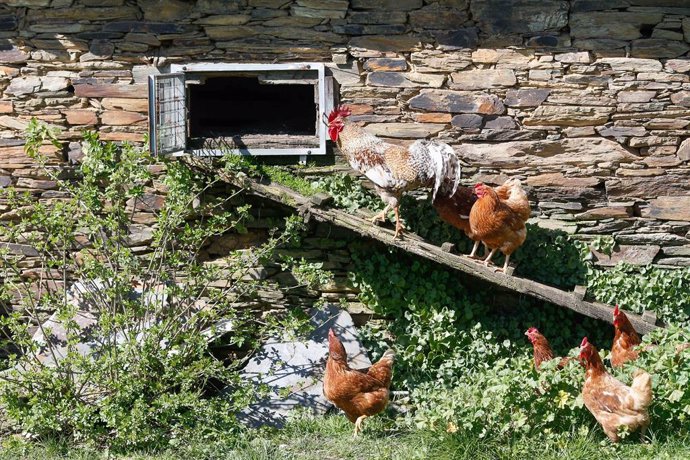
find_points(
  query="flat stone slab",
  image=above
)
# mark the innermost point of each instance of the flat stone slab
(53, 330)
(293, 370)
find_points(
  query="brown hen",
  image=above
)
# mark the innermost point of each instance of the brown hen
(627, 344)
(612, 403)
(542, 349)
(360, 394)
(496, 224)
(454, 209)
(626, 340)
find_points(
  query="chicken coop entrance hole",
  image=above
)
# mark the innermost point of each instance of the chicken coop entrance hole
(251, 112)
(214, 108)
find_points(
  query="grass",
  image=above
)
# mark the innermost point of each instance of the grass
(330, 438)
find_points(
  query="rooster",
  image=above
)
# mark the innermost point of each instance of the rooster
(392, 168)
(612, 403)
(360, 394)
(498, 225)
(542, 349)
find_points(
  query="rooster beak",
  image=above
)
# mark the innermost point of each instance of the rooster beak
(324, 118)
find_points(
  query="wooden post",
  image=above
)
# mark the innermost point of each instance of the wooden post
(579, 292)
(649, 317)
(321, 199)
(448, 247)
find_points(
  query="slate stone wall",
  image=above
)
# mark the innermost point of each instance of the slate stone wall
(587, 101)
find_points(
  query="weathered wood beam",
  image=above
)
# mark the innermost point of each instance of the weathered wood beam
(413, 244)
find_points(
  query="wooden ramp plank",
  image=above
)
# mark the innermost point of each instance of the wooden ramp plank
(412, 243)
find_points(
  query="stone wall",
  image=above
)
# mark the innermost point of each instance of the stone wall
(587, 101)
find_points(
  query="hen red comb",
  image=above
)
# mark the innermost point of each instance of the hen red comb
(584, 343)
(616, 311)
(532, 330)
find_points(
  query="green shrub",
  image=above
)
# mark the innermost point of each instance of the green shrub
(348, 192)
(469, 366)
(150, 380)
(663, 291)
(670, 370)
(506, 398)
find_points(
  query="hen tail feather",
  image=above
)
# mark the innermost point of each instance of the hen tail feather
(642, 385)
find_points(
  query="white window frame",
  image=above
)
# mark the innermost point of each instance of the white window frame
(325, 105)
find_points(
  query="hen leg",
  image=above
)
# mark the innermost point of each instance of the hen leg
(643, 432)
(505, 265)
(381, 217)
(473, 254)
(398, 225)
(487, 261)
(358, 424)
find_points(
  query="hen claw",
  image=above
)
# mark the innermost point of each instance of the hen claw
(399, 230)
(380, 217)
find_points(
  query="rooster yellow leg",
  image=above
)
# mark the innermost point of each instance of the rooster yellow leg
(487, 261)
(398, 225)
(358, 424)
(380, 217)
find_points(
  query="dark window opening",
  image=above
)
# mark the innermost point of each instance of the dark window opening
(646, 30)
(251, 113)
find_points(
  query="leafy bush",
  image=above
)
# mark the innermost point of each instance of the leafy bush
(430, 317)
(669, 366)
(469, 367)
(149, 378)
(506, 398)
(552, 257)
(664, 291)
(348, 192)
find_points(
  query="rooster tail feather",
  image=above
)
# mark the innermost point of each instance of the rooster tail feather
(642, 385)
(445, 165)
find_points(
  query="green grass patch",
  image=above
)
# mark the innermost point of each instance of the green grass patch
(330, 437)
(280, 174)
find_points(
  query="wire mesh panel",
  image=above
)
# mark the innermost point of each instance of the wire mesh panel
(167, 113)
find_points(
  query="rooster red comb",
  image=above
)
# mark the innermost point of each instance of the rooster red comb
(340, 111)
